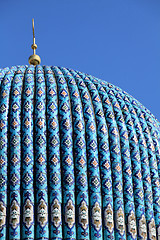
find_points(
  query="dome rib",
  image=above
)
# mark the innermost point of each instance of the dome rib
(40, 151)
(79, 158)
(54, 163)
(4, 109)
(14, 152)
(27, 152)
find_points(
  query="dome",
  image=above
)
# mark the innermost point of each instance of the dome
(79, 158)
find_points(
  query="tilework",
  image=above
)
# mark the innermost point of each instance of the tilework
(79, 158)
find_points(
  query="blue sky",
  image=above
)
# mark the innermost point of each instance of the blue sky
(117, 41)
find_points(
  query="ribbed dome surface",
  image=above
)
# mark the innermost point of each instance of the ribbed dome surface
(79, 158)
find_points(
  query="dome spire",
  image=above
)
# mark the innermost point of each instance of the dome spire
(34, 59)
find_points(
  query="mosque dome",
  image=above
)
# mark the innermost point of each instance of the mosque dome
(79, 158)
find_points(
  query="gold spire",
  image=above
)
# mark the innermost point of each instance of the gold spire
(34, 59)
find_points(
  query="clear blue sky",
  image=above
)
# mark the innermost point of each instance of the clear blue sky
(117, 41)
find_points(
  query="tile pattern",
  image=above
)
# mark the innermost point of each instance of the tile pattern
(79, 158)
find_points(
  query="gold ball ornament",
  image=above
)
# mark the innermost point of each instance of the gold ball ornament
(34, 60)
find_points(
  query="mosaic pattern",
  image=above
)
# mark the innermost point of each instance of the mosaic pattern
(79, 158)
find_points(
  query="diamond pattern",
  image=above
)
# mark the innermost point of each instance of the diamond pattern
(79, 158)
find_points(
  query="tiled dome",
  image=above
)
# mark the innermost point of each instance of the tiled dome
(79, 158)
